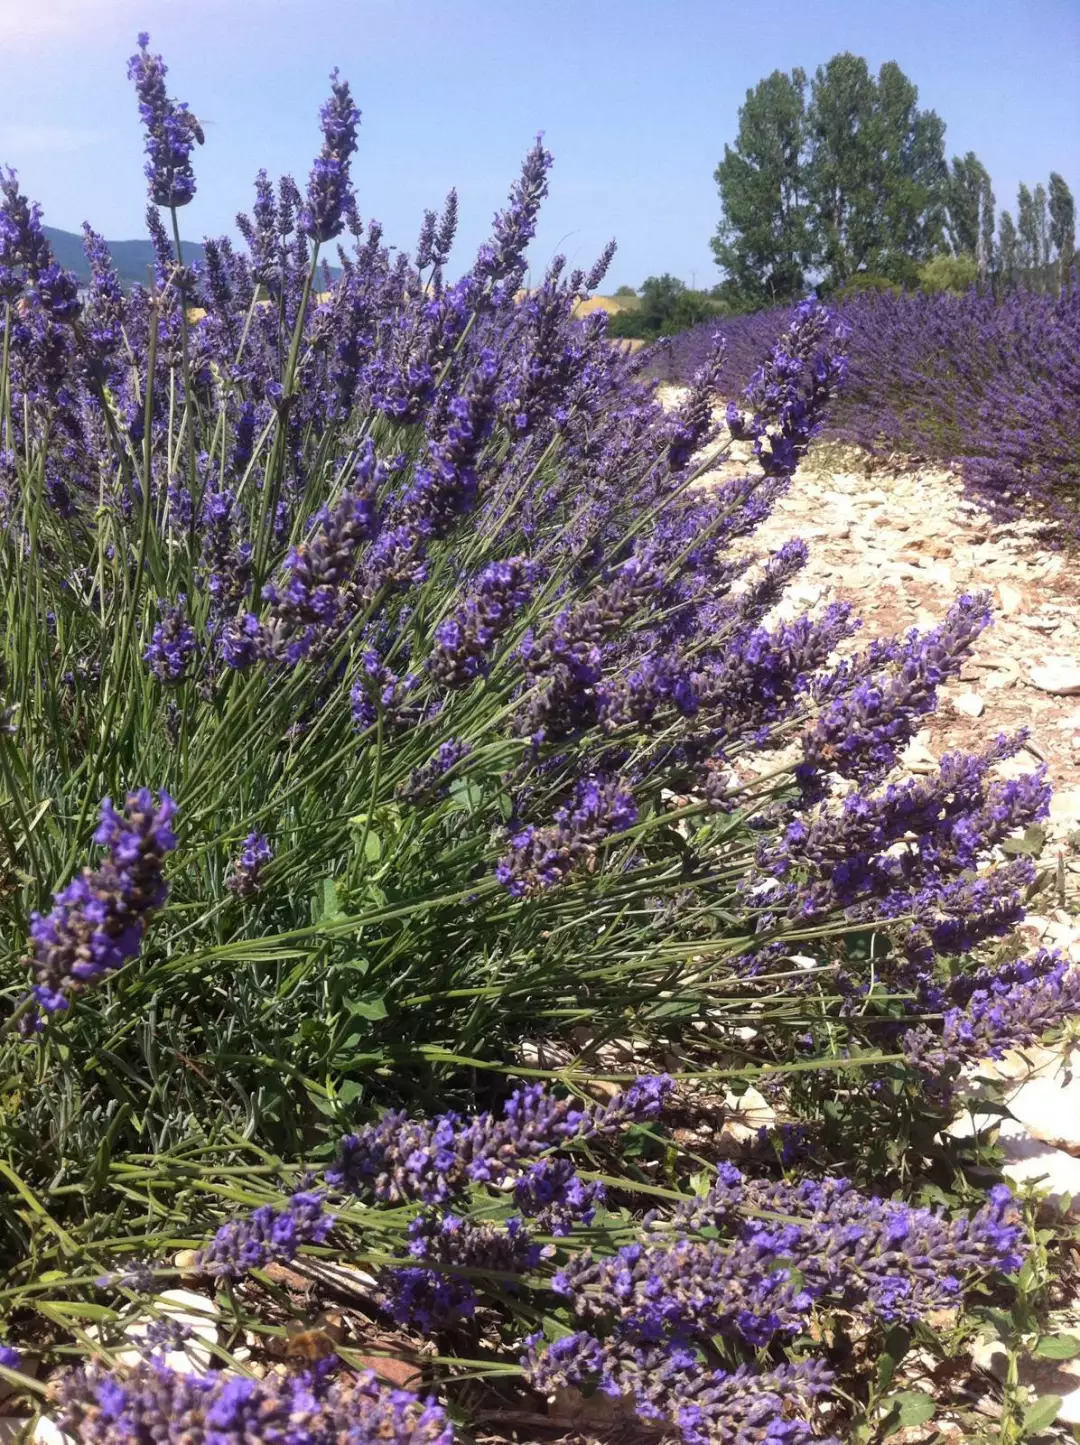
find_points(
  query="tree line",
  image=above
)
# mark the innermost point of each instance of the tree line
(841, 182)
(843, 179)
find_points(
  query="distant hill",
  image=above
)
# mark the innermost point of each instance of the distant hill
(133, 259)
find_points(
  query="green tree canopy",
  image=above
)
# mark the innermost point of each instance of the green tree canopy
(876, 171)
(763, 240)
(848, 178)
(1008, 250)
(667, 306)
(1062, 223)
(966, 193)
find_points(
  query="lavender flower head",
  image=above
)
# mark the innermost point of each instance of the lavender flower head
(328, 189)
(400, 1159)
(266, 1235)
(171, 130)
(172, 645)
(502, 259)
(155, 1403)
(541, 858)
(246, 876)
(24, 251)
(97, 922)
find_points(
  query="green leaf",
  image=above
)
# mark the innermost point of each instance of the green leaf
(466, 795)
(369, 1006)
(1058, 1347)
(1030, 845)
(372, 847)
(326, 906)
(1042, 1413)
(62, 1309)
(897, 1342)
(908, 1407)
(997, 1323)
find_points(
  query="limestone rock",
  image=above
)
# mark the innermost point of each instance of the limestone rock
(1059, 676)
(1065, 807)
(970, 704)
(1010, 598)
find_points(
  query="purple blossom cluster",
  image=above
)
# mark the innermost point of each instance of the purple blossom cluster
(670, 1387)
(750, 1262)
(246, 876)
(993, 1010)
(328, 189)
(98, 920)
(464, 641)
(540, 858)
(267, 1235)
(154, 1402)
(435, 1291)
(431, 1160)
(171, 130)
(172, 645)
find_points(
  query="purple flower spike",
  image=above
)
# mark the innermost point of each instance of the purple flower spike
(246, 877)
(171, 130)
(154, 1402)
(541, 858)
(266, 1235)
(172, 645)
(322, 218)
(430, 1160)
(98, 921)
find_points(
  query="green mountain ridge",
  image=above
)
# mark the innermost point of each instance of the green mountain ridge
(133, 260)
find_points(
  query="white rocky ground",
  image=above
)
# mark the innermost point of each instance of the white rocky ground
(900, 546)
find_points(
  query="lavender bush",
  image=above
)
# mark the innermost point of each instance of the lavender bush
(452, 728)
(992, 387)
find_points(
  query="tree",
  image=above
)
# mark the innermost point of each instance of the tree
(985, 254)
(1062, 225)
(965, 195)
(1028, 247)
(876, 173)
(763, 241)
(948, 273)
(912, 174)
(1042, 227)
(667, 306)
(1008, 250)
(625, 291)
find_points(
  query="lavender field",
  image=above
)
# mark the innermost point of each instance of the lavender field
(477, 962)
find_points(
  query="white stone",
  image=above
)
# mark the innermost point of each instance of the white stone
(917, 757)
(970, 704)
(1059, 676)
(1065, 806)
(1010, 598)
(1041, 1377)
(12, 1427)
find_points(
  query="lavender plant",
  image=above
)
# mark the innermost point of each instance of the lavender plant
(988, 385)
(453, 726)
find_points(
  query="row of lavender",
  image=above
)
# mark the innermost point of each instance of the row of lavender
(470, 746)
(990, 386)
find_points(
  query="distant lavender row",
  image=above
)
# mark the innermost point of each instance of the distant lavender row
(992, 387)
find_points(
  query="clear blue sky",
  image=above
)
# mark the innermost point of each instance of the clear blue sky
(635, 99)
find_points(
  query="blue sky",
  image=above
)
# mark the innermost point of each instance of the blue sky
(635, 99)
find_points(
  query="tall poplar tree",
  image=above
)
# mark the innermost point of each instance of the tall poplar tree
(763, 239)
(1062, 225)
